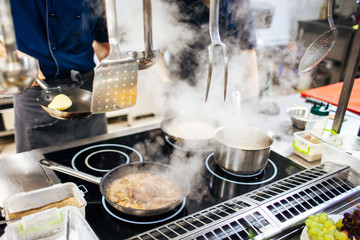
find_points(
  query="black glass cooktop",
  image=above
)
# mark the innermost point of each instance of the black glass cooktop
(209, 183)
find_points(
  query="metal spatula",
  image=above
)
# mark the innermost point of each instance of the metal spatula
(115, 81)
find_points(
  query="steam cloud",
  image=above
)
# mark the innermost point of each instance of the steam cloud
(172, 37)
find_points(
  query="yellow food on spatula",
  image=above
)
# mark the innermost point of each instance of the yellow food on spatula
(60, 102)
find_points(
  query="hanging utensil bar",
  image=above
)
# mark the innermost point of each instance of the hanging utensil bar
(350, 73)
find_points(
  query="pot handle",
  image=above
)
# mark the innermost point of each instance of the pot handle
(302, 151)
(69, 171)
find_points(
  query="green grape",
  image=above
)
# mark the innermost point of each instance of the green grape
(329, 224)
(315, 238)
(340, 236)
(308, 222)
(313, 224)
(321, 234)
(323, 217)
(331, 231)
(320, 226)
(329, 237)
(339, 224)
(331, 220)
(314, 231)
(312, 217)
(309, 233)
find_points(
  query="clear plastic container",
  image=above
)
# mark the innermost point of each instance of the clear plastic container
(343, 149)
(58, 195)
(307, 146)
(318, 118)
(51, 224)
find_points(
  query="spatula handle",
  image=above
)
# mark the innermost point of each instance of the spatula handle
(111, 19)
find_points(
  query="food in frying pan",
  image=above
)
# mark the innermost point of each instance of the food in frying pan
(143, 191)
(60, 102)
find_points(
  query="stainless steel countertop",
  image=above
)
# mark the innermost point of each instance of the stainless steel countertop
(20, 173)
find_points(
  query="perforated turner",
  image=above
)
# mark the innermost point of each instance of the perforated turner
(215, 41)
(115, 81)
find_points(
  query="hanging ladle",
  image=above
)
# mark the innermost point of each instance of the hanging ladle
(320, 48)
(149, 57)
(16, 73)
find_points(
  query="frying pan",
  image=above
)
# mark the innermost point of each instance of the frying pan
(190, 130)
(126, 169)
(80, 98)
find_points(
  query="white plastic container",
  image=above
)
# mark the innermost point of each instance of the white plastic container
(51, 224)
(58, 195)
(306, 146)
(318, 118)
(343, 149)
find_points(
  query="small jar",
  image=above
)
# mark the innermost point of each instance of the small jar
(318, 118)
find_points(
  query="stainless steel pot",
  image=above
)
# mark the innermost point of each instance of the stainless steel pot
(227, 190)
(190, 130)
(242, 150)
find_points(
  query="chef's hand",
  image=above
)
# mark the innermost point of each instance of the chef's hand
(2, 50)
(206, 2)
(40, 76)
(101, 49)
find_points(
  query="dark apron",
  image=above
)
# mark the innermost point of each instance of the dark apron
(35, 128)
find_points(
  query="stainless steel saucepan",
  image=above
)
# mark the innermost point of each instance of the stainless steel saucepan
(242, 150)
(121, 171)
(190, 130)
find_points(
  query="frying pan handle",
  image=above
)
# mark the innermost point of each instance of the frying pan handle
(42, 84)
(70, 171)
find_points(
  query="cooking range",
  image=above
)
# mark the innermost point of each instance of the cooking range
(210, 185)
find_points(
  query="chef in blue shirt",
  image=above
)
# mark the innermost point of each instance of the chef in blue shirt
(63, 36)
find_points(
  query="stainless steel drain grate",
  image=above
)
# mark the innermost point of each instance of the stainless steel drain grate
(266, 211)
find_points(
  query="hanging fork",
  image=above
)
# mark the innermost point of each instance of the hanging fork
(215, 41)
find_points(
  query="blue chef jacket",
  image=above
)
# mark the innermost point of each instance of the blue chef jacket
(59, 33)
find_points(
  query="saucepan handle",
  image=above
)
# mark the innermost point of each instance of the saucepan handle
(42, 84)
(70, 171)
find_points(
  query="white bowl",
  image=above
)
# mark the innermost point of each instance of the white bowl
(299, 116)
